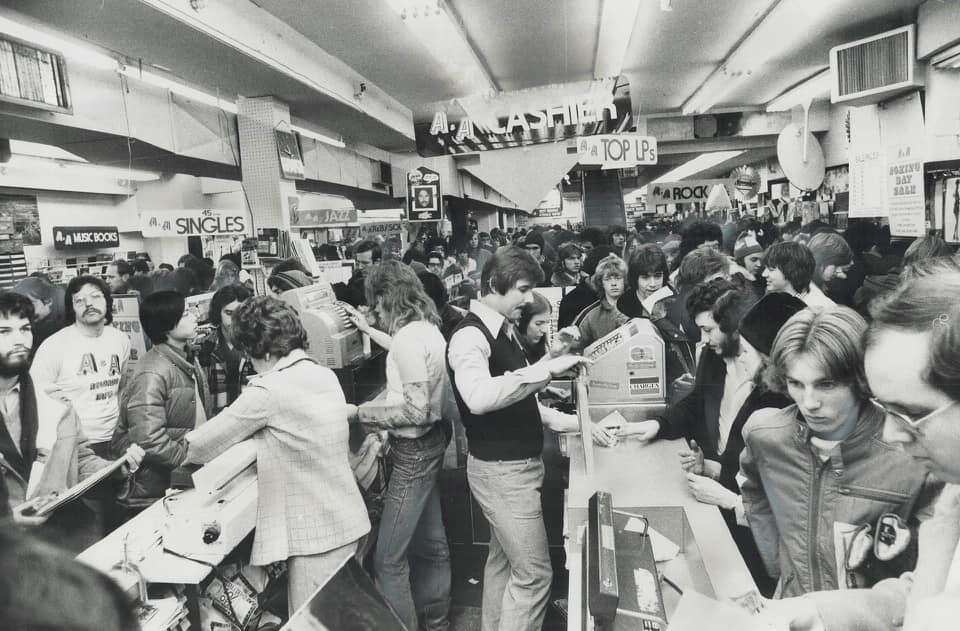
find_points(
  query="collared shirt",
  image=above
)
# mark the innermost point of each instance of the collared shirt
(814, 297)
(469, 355)
(737, 386)
(10, 409)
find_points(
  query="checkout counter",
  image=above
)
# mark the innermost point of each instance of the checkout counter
(647, 488)
(182, 539)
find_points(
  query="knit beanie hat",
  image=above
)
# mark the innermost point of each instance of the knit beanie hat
(763, 321)
(746, 245)
(292, 279)
(533, 238)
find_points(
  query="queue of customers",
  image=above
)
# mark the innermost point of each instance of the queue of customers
(820, 418)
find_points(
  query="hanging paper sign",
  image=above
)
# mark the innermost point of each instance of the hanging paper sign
(685, 192)
(423, 195)
(617, 151)
(904, 192)
(866, 163)
(193, 223)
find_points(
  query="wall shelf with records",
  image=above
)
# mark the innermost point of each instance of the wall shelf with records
(61, 270)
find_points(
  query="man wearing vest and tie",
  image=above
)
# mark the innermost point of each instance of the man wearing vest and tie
(496, 391)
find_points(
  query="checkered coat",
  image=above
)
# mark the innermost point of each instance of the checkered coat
(309, 500)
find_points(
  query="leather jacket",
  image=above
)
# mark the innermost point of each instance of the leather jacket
(157, 407)
(800, 507)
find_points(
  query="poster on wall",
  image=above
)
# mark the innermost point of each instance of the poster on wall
(903, 190)
(291, 162)
(947, 212)
(835, 180)
(19, 223)
(423, 195)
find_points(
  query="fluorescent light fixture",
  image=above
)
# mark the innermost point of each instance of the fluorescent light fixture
(817, 86)
(336, 142)
(177, 87)
(784, 25)
(439, 30)
(24, 148)
(701, 163)
(55, 167)
(616, 29)
(72, 53)
(948, 58)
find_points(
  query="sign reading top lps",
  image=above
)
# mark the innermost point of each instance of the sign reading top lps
(85, 237)
(617, 151)
(423, 195)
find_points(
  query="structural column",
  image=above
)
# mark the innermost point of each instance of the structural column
(268, 192)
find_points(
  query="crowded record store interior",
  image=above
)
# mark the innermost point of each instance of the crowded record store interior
(479, 315)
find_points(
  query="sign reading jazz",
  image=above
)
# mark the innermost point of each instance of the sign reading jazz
(617, 151)
(324, 218)
(423, 195)
(193, 223)
(684, 192)
(525, 117)
(85, 237)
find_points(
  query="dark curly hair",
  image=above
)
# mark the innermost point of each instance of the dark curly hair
(267, 326)
(74, 286)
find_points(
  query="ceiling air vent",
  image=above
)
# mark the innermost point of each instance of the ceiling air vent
(876, 68)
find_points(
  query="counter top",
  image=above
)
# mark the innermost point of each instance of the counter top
(648, 475)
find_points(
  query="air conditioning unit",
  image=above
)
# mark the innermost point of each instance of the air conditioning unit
(876, 68)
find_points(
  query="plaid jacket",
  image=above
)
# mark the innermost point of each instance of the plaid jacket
(224, 385)
(309, 500)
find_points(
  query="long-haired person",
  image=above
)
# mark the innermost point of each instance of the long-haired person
(602, 317)
(412, 559)
(311, 513)
(912, 364)
(819, 483)
(533, 324)
(226, 369)
(165, 398)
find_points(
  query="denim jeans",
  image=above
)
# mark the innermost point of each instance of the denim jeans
(412, 559)
(516, 579)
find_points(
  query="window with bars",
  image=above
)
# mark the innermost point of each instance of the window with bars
(32, 76)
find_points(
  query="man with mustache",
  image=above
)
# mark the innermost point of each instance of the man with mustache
(82, 363)
(42, 450)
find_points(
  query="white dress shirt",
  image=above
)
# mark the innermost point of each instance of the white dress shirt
(469, 355)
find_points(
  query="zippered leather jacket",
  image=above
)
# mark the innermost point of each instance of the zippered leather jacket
(803, 511)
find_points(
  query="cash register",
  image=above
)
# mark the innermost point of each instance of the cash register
(627, 368)
(333, 339)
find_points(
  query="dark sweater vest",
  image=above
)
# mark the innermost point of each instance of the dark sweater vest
(511, 433)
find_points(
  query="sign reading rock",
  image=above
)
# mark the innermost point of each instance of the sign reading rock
(684, 192)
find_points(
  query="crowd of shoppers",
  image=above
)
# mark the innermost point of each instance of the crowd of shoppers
(813, 374)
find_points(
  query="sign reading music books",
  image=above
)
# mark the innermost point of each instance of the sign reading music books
(85, 237)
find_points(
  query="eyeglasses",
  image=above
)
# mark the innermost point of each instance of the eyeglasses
(910, 424)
